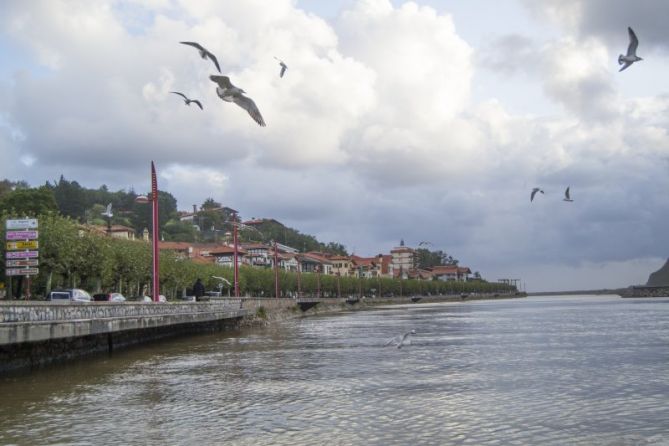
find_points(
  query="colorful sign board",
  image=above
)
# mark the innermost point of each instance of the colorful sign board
(30, 244)
(21, 235)
(17, 263)
(21, 254)
(22, 271)
(22, 223)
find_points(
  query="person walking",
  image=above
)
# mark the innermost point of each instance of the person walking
(198, 289)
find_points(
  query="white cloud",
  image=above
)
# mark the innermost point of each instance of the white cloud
(372, 136)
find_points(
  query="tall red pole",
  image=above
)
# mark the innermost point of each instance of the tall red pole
(236, 264)
(276, 271)
(299, 277)
(156, 235)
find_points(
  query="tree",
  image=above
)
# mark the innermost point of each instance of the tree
(179, 231)
(71, 198)
(29, 202)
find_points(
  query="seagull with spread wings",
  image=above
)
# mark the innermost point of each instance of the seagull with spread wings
(534, 192)
(230, 93)
(187, 101)
(631, 56)
(284, 67)
(567, 197)
(204, 53)
(400, 340)
(108, 212)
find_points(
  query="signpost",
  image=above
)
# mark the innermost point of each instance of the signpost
(21, 256)
(15, 263)
(27, 244)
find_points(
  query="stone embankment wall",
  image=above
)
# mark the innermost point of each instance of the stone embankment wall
(33, 334)
(645, 291)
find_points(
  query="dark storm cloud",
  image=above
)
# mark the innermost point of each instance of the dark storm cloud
(609, 19)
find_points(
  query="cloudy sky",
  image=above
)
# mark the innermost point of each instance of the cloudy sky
(428, 120)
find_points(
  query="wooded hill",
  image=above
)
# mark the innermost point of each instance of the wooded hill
(211, 222)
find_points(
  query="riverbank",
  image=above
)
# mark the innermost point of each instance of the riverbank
(34, 334)
(644, 291)
(264, 311)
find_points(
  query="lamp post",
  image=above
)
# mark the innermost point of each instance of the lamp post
(276, 270)
(235, 258)
(155, 281)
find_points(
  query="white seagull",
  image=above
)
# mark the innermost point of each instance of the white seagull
(222, 279)
(534, 192)
(631, 56)
(108, 212)
(188, 101)
(284, 67)
(230, 93)
(566, 195)
(400, 340)
(204, 53)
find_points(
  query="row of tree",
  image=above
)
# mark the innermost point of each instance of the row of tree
(71, 256)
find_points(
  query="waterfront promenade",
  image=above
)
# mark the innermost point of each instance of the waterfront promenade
(34, 333)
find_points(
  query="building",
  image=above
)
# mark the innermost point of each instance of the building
(311, 262)
(403, 261)
(341, 265)
(450, 272)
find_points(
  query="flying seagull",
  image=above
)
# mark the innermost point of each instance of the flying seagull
(566, 195)
(424, 243)
(108, 212)
(403, 339)
(222, 279)
(631, 56)
(534, 192)
(204, 53)
(188, 101)
(230, 93)
(284, 67)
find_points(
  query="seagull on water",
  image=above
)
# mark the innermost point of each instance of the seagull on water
(534, 192)
(631, 56)
(230, 93)
(403, 339)
(204, 53)
(284, 67)
(188, 101)
(566, 195)
(108, 212)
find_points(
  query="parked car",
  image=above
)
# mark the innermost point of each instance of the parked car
(161, 298)
(71, 294)
(109, 297)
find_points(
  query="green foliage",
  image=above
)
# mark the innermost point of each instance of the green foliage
(176, 230)
(70, 256)
(28, 202)
(427, 259)
(273, 230)
(261, 312)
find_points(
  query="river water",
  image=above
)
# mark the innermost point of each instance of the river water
(578, 370)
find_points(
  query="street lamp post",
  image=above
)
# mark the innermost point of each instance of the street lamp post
(235, 257)
(155, 281)
(276, 271)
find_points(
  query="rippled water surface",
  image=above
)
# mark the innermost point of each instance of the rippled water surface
(537, 371)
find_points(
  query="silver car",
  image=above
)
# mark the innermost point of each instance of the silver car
(71, 294)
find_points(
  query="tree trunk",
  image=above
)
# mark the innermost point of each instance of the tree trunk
(49, 279)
